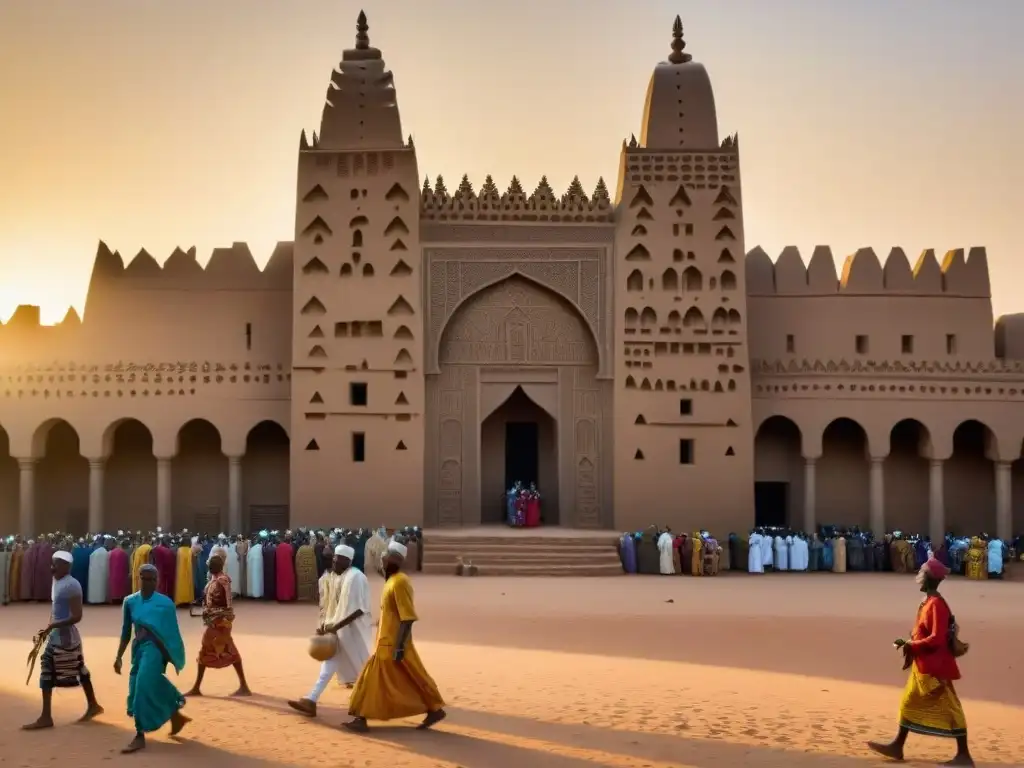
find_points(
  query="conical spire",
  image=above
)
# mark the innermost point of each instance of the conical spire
(678, 44)
(362, 28)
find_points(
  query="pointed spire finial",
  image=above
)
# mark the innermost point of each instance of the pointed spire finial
(678, 44)
(362, 38)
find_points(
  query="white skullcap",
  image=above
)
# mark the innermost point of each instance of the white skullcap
(65, 556)
(343, 550)
(221, 536)
(398, 548)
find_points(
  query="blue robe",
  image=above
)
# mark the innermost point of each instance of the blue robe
(995, 556)
(629, 553)
(80, 566)
(826, 555)
(152, 698)
(510, 507)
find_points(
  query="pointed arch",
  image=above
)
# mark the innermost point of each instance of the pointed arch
(554, 289)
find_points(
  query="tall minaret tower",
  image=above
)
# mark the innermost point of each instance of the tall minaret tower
(683, 438)
(357, 358)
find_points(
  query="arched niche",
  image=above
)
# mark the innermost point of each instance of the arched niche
(129, 476)
(199, 478)
(906, 475)
(969, 480)
(517, 321)
(778, 473)
(842, 476)
(61, 479)
(266, 470)
(10, 495)
(564, 279)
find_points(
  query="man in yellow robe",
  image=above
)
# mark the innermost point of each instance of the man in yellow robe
(394, 683)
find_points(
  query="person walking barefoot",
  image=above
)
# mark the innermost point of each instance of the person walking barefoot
(63, 663)
(218, 649)
(153, 700)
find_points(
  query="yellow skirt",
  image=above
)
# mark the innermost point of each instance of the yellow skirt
(389, 689)
(931, 707)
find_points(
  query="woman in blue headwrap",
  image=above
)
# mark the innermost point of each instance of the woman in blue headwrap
(152, 698)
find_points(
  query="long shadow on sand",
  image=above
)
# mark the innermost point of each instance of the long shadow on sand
(755, 643)
(92, 743)
(481, 752)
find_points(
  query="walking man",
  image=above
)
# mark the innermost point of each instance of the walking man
(345, 611)
(63, 663)
(394, 683)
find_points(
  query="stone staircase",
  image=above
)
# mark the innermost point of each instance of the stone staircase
(518, 553)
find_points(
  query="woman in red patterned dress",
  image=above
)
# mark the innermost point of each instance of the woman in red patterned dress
(218, 649)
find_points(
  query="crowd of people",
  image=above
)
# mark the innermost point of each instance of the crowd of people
(386, 675)
(267, 565)
(522, 506)
(838, 550)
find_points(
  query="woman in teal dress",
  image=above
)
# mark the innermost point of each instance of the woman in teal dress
(153, 700)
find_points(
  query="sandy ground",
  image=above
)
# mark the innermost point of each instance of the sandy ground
(643, 672)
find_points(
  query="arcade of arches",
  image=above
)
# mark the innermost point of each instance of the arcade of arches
(904, 490)
(199, 488)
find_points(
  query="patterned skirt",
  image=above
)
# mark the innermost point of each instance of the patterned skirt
(218, 649)
(931, 707)
(62, 667)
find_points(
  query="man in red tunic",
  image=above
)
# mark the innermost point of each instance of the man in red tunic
(930, 705)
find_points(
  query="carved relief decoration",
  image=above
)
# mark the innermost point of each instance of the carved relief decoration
(587, 413)
(517, 322)
(455, 392)
(977, 380)
(939, 368)
(576, 274)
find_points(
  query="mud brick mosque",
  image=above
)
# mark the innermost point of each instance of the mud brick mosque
(419, 346)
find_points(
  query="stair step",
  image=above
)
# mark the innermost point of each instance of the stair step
(531, 570)
(499, 548)
(523, 556)
(520, 541)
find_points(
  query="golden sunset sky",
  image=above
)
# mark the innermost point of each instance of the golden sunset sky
(156, 124)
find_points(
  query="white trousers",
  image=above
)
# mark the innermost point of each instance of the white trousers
(328, 669)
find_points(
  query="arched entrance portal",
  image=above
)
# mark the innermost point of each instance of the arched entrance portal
(517, 444)
(517, 335)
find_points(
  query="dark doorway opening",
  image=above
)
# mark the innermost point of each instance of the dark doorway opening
(771, 504)
(522, 452)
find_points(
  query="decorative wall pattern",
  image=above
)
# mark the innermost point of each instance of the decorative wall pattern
(577, 274)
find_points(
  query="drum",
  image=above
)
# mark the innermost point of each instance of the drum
(323, 647)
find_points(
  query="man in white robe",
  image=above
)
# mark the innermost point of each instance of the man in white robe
(99, 573)
(232, 566)
(5, 565)
(767, 544)
(254, 569)
(781, 554)
(344, 611)
(665, 564)
(754, 563)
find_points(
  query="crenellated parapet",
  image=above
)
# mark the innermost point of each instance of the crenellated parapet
(465, 204)
(231, 268)
(864, 274)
